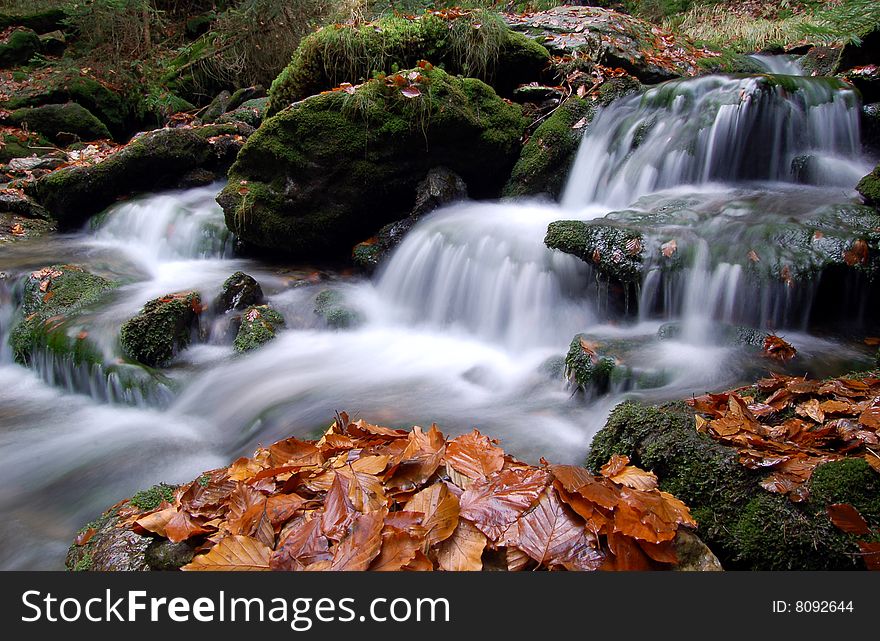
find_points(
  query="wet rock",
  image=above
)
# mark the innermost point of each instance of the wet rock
(17, 227)
(19, 47)
(33, 163)
(245, 95)
(330, 304)
(595, 365)
(614, 251)
(866, 79)
(14, 201)
(53, 298)
(40, 20)
(217, 107)
(239, 291)
(61, 123)
(110, 548)
(151, 161)
(259, 325)
(694, 555)
(745, 526)
(353, 53)
(440, 187)
(870, 117)
(612, 39)
(869, 187)
(735, 335)
(587, 370)
(546, 158)
(163, 555)
(22, 144)
(250, 112)
(164, 327)
(330, 170)
(821, 61)
(198, 177)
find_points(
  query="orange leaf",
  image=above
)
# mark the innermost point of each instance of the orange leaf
(234, 553)
(474, 455)
(847, 518)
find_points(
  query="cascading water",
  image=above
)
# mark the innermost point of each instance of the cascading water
(465, 325)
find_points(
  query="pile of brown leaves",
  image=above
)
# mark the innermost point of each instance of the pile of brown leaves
(799, 425)
(366, 497)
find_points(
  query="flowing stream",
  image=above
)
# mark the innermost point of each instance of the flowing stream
(465, 325)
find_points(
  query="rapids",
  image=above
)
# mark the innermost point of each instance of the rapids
(465, 324)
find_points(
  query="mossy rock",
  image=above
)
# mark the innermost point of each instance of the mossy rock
(259, 325)
(746, 526)
(40, 20)
(330, 304)
(476, 44)
(850, 480)
(547, 157)
(733, 335)
(52, 299)
(61, 122)
(327, 172)
(869, 187)
(151, 161)
(164, 327)
(23, 144)
(586, 370)
(19, 48)
(615, 251)
(239, 291)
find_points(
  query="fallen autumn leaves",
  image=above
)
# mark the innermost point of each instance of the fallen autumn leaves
(366, 497)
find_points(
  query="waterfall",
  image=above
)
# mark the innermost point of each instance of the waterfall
(780, 64)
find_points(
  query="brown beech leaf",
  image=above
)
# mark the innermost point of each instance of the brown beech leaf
(552, 535)
(233, 553)
(356, 551)
(398, 549)
(463, 551)
(419, 460)
(282, 507)
(579, 480)
(421, 563)
(668, 248)
(293, 452)
(474, 455)
(870, 554)
(495, 504)
(304, 545)
(181, 527)
(365, 491)
(440, 509)
(811, 409)
(614, 465)
(635, 477)
(871, 417)
(847, 518)
(777, 348)
(338, 509)
(626, 555)
(157, 521)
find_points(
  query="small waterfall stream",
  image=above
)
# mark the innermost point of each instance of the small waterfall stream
(466, 323)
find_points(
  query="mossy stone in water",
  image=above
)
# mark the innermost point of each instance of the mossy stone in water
(851, 481)
(331, 306)
(163, 328)
(613, 250)
(586, 370)
(239, 291)
(259, 325)
(869, 187)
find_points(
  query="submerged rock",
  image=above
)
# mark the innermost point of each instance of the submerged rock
(151, 161)
(596, 365)
(52, 299)
(440, 187)
(259, 325)
(328, 171)
(330, 305)
(747, 527)
(239, 291)
(476, 44)
(61, 123)
(164, 327)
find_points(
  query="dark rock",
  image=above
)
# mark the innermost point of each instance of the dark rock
(869, 187)
(61, 123)
(110, 548)
(821, 61)
(615, 251)
(217, 107)
(259, 325)
(250, 112)
(19, 48)
(243, 95)
(867, 80)
(41, 21)
(164, 327)
(32, 164)
(870, 117)
(238, 292)
(330, 170)
(440, 187)
(151, 161)
(53, 44)
(330, 304)
(694, 555)
(198, 177)
(14, 201)
(163, 555)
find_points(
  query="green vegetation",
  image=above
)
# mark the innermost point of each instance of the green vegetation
(58, 122)
(259, 325)
(150, 499)
(869, 187)
(615, 251)
(163, 328)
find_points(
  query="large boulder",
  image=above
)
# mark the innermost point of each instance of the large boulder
(746, 526)
(471, 43)
(60, 123)
(613, 39)
(18, 48)
(547, 157)
(330, 170)
(40, 20)
(164, 327)
(151, 161)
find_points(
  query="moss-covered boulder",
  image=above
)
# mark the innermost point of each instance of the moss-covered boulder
(440, 187)
(585, 368)
(330, 304)
(327, 172)
(164, 327)
(546, 158)
(746, 526)
(151, 161)
(53, 297)
(22, 144)
(869, 187)
(472, 43)
(238, 292)
(60, 123)
(250, 112)
(615, 251)
(19, 47)
(259, 325)
(40, 20)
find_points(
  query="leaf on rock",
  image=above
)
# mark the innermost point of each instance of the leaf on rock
(356, 551)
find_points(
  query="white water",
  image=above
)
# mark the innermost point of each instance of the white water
(457, 327)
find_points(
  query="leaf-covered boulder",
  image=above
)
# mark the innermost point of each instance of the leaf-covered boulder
(151, 161)
(53, 298)
(475, 43)
(164, 327)
(330, 170)
(60, 123)
(18, 48)
(259, 325)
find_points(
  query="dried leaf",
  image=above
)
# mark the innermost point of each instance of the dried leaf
(474, 455)
(440, 509)
(233, 553)
(463, 550)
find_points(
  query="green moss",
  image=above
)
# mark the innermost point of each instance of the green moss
(84, 564)
(19, 48)
(57, 121)
(163, 328)
(204, 480)
(151, 498)
(614, 251)
(850, 480)
(40, 20)
(869, 187)
(476, 44)
(588, 372)
(331, 306)
(259, 325)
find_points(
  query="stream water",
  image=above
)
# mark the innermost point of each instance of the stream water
(461, 327)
